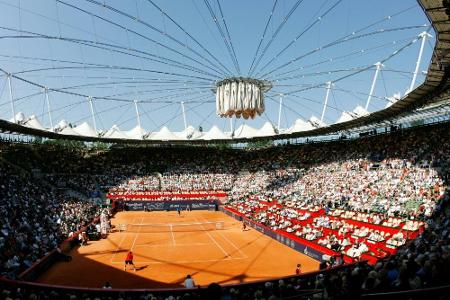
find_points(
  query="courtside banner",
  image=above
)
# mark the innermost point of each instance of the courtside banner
(280, 237)
(169, 205)
(161, 196)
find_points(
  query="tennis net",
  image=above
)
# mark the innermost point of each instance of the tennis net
(175, 227)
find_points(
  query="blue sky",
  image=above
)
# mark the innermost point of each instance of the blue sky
(109, 50)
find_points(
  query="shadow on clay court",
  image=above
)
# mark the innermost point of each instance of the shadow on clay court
(85, 272)
(141, 268)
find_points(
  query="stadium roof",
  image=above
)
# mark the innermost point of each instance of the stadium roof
(351, 115)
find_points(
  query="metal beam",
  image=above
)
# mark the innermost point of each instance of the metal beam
(423, 36)
(326, 100)
(378, 66)
(92, 113)
(279, 112)
(138, 117)
(12, 99)
(49, 108)
(184, 115)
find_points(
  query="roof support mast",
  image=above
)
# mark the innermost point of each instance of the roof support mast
(138, 117)
(279, 112)
(48, 108)
(184, 115)
(12, 99)
(92, 113)
(378, 66)
(423, 36)
(326, 100)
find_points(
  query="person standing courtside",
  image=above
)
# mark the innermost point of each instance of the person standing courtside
(129, 261)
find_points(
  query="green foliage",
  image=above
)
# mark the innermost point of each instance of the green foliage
(65, 143)
(99, 146)
(260, 144)
(417, 123)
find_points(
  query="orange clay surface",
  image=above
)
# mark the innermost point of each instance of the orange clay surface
(165, 256)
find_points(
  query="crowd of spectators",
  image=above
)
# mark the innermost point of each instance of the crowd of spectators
(319, 192)
(35, 219)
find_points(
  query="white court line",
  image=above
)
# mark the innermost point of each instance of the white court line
(171, 245)
(215, 242)
(137, 234)
(119, 246)
(174, 243)
(181, 261)
(232, 244)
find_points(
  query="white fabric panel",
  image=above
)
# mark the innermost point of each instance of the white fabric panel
(20, 118)
(33, 122)
(190, 133)
(68, 131)
(266, 130)
(86, 130)
(300, 125)
(245, 131)
(164, 134)
(316, 122)
(215, 134)
(137, 133)
(345, 116)
(360, 111)
(115, 133)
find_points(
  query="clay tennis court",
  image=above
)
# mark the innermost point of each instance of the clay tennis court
(208, 245)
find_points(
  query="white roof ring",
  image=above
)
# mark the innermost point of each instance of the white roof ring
(154, 78)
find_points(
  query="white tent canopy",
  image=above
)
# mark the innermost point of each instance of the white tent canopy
(85, 129)
(394, 98)
(266, 130)
(137, 133)
(20, 118)
(61, 125)
(345, 116)
(164, 134)
(316, 122)
(68, 131)
(190, 133)
(33, 122)
(360, 111)
(115, 133)
(215, 134)
(300, 125)
(245, 131)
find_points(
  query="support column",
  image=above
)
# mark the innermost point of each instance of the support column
(92, 113)
(184, 115)
(48, 108)
(231, 125)
(138, 117)
(424, 35)
(279, 112)
(326, 100)
(12, 99)
(378, 66)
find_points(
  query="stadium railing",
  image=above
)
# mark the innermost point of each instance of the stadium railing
(306, 292)
(435, 293)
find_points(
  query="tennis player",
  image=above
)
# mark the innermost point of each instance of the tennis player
(129, 261)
